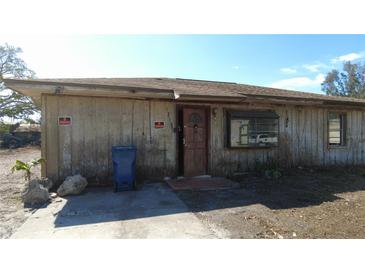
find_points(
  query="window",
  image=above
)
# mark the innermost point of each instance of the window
(336, 129)
(252, 129)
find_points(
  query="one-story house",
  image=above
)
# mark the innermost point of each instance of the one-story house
(190, 127)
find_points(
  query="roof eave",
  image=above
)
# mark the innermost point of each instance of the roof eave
(35, 89)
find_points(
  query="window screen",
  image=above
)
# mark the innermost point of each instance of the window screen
(336, 129)
(252, 129)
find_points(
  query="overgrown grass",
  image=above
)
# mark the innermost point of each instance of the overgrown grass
(271, 169)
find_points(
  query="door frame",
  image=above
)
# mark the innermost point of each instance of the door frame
(180, 154)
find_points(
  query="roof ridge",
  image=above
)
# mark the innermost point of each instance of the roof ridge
(192, 87)
(199, 80)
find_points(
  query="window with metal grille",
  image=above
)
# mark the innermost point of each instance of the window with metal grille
(336, 129)
(252, 129)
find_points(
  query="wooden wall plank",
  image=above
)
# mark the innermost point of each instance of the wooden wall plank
(171, 167)
(90, 125)
(320, 137)
(292, 135)
(64, 135)
(119, 122)
(218, 125)
(99, 123)
(162, 148)
(52, 138)
(348, 151)
(102, 138)
(355, 129)
(301, 135)
(77, 145)
(327, 151)
(314, 135)
(43, 133)
(296, 137)
(138, 133)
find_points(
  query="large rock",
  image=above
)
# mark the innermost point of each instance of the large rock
(36, 193)
(72, 185)
(47, 183)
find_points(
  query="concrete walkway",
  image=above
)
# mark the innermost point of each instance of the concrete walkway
(153, 212)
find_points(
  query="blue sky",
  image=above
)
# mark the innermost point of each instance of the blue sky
(297, 62)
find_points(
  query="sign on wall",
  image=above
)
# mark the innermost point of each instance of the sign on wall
(159, 124)
(64, 121)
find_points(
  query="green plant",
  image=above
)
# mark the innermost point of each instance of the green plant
(4, 128)
(26, 167)
(271, 169)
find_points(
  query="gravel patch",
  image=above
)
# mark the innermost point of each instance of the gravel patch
(12, 211)
(304, 204)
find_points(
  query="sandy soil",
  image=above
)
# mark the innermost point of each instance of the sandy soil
(12, 212)
(303, 204)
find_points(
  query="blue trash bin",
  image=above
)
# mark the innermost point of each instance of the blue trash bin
(124, 167)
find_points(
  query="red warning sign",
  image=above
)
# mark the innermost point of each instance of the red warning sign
(159, 124)
(64, 121)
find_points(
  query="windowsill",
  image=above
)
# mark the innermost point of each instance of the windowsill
(337, 147)
(250, 148)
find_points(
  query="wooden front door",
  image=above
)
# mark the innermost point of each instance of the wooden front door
(195, 141)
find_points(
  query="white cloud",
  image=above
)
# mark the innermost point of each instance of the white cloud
(288, 70)
(348, 57)
(300, 83)
(314, 67)
(236, 67)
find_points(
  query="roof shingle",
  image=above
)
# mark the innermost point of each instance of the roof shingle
(204, 88)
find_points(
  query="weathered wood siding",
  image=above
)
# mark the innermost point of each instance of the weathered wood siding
(302, 140)
(98, 123)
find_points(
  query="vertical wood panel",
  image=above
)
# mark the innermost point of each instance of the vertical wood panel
(88, 160)
(52, 138)
(102, 137)
(171, 139)
(306, 136)
(65, 133)
(217, 130)
(354, 127)
(162, 150)
(327, 151)
(292, 135)
(43, 134)
(349, 132)
(77, 145)
(320, 137)
(314, 137)
(358, 138)
(99, 123)
(296, 136)
(300, 138)
(116, 127)
(138, 134)
(126, 122)
(223, 152)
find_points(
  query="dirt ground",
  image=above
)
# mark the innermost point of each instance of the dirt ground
(12, 212)
(305, 203)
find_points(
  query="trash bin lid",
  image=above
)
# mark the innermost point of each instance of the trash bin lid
(131, 147)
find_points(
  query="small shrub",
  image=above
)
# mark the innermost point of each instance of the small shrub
(26, 167)
(270, 169)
